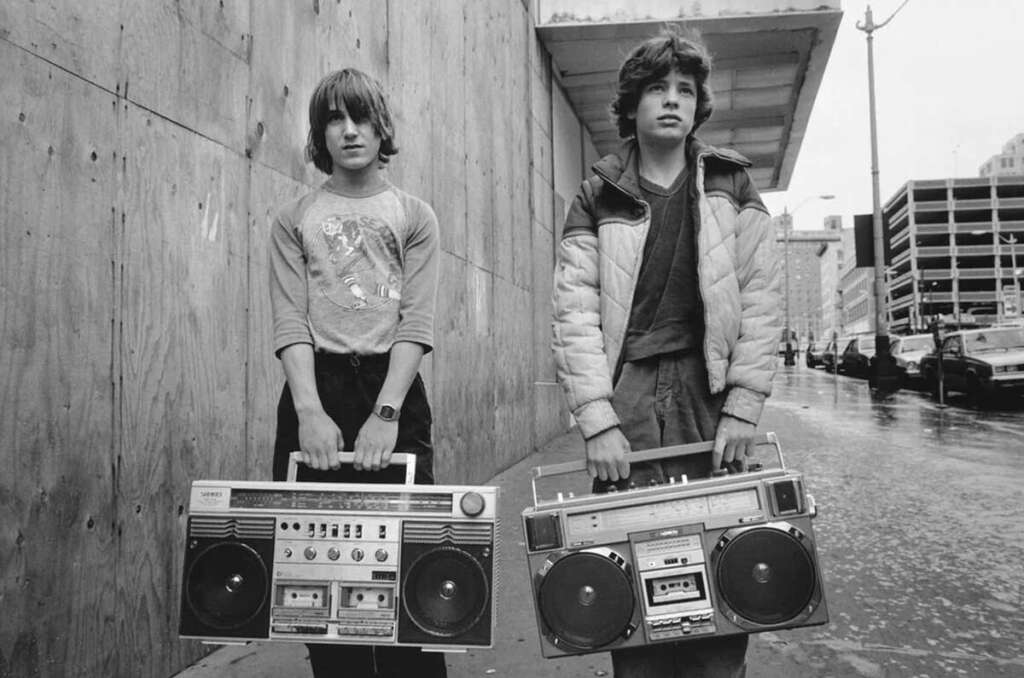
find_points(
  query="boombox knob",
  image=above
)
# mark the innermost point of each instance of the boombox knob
(381, 555)
(333, 553)
(357, 554)
(472, 504)
(310, 553)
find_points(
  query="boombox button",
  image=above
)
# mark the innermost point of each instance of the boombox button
(381, 555)
(357, 554)
(310, 553)
(333, 553)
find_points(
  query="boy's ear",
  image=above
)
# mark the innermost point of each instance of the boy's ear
(631, 115)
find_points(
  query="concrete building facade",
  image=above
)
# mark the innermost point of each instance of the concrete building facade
(957, 250)
(804, 292)
(831, 256)
(1009, 161)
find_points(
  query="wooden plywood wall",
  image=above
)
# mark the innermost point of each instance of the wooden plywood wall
(144, 147)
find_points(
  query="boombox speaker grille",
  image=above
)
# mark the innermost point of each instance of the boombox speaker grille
(586, 599)
(445, 591)
(226, 585)
(766, 574)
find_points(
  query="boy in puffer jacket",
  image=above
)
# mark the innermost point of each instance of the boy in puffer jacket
(666, 305)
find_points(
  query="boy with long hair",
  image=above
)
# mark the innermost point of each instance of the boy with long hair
(666, 305)
(353, 284)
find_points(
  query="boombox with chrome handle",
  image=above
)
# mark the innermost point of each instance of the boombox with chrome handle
(323, 562)
(684, 559)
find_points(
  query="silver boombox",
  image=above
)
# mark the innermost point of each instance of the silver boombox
(727, 555)
(362, 563)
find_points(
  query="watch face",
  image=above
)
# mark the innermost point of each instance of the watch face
(387, 412)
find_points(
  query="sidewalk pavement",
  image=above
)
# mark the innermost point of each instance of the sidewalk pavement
(516, 650)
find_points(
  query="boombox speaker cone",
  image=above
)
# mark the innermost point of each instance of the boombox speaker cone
(586, 599)
(766, 575)
(445, 591)
(227, 585)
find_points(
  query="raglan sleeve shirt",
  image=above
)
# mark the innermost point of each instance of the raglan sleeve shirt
(354, 274)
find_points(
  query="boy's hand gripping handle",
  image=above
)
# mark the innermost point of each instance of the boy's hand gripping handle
(649, 455)
(406, 458)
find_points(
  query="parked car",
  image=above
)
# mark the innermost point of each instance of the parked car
(909, 352)
(982, 363)
(828, 356)
(814, 353)
(855, 358)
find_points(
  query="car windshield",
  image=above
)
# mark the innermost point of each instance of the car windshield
(908, 344)
(1002, 339)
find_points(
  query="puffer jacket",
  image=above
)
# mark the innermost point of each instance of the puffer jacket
(599, 261)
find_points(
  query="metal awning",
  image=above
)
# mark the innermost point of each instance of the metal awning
(769, 58)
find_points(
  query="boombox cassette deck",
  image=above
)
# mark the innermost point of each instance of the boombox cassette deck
(716, 557)
(360, 563)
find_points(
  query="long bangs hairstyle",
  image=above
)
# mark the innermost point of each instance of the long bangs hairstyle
(363, 98)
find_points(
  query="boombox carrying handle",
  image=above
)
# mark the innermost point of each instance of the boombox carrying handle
(649, 455)
(406, 458)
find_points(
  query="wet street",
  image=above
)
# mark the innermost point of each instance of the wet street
(920, 531)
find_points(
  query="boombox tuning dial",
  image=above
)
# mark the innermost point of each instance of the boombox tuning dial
(472, 504)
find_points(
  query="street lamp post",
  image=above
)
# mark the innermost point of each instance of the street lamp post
(883, 358)
(786, 225)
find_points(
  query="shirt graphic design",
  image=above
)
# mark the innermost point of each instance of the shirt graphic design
(364, 262)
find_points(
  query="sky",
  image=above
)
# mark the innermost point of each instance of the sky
(949, 92)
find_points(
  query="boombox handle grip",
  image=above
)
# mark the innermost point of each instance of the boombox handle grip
(649, 455)
(406, 458)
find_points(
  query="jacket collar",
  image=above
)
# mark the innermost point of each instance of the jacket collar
(620, 169)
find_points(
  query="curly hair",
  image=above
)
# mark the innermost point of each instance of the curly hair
(653, 59)
(363, 98)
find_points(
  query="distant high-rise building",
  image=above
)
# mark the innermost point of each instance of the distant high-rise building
(1010, 161)
(804, 302)
(831, 256)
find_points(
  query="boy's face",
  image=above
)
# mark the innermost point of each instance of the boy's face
(353, 145)
(664, 114)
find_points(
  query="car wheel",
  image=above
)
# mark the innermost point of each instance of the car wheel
(975, 394)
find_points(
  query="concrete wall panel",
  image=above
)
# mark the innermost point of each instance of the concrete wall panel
(269, 190)
(183, 355)
(82, 38)
(57, 179)
(512, 369)
(190, 64)
(480, 30)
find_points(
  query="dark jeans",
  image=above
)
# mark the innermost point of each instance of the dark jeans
(661, 401)
(348, 387)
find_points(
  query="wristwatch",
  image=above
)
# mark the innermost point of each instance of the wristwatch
(387, 412)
